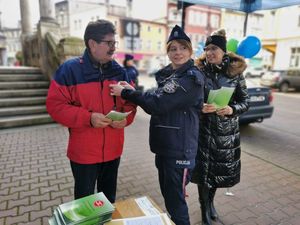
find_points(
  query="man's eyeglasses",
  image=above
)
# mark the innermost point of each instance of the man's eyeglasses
(111, 44)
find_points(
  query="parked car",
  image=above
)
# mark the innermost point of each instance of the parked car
(254, 72)
(282, 79)
(260, 104)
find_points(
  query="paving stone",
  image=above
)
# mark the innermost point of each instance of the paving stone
(29, 193)
(17, 219)
(40, 214)
(9, 212)
(3, 205)
(4, 192)
(33, 165)
(15, 203)
(39, 184)
(30, 207)
(290, 210)
(278, 215)
(39, 198)
(265, 220)
(19, 188)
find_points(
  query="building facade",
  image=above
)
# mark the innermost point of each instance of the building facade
(144, 39)
(10, 46)
(282, 36)
(199, 22)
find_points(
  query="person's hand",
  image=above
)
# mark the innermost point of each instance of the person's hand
(99, 120)
(119, 124)
(126, 85)
(226, 111)
(208, 108)
(116, 89)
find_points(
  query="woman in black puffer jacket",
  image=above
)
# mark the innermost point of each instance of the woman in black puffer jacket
(218, 159)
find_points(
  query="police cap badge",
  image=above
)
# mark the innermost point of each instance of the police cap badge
(178, 33)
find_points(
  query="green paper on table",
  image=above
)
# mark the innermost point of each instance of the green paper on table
(117, 116)
(93, 209)
(221, 97)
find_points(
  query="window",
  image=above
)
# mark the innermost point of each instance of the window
(62, 20)
(128, 43)
(149, 28)
(295, 57)
(203, 19)
(191, 17)
(159, 45)
(141, 44)
(75, 24)
(79, 24)
(214, 21)
(148, 45)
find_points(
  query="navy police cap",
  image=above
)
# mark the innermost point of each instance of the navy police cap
(178, 33)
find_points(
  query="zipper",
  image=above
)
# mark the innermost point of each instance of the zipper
(101, 97)
(168, 127)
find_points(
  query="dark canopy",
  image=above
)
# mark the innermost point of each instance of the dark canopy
(247, 6)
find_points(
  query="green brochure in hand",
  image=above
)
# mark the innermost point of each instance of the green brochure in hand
(117, 116)
(221, 97)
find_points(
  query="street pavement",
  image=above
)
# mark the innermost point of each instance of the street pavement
(35, 177)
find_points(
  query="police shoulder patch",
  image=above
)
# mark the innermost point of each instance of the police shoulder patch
(170, 86)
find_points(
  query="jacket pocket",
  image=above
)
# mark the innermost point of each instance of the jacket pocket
(166, 137)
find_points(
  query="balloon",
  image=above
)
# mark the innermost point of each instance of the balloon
(249, 47)
(232, 45)
(200, 49)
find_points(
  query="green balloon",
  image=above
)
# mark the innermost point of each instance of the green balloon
(232, 45)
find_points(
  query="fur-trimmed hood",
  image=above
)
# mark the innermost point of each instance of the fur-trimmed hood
(236, 67)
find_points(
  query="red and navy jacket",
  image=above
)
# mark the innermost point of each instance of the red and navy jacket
(79, 88)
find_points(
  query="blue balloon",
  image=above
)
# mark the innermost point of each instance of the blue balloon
(249, 47)
(200, 49)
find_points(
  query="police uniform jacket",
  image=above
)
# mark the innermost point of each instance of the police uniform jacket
(218, 160)
(174, 108)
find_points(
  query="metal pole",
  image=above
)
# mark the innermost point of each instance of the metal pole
(132, 38)
(183, 16)
(245, 24)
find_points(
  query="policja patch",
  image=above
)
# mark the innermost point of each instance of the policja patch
(170, 86)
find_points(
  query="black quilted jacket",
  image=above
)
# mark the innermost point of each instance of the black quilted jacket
(218, 158)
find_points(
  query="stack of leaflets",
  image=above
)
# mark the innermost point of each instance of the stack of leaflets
(90, 210)
(221, 97)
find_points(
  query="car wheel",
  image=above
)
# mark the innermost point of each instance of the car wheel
(284, 87)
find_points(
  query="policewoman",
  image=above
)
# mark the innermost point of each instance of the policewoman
(174, 108)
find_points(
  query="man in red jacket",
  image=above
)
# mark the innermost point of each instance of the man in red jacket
(79, 98)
